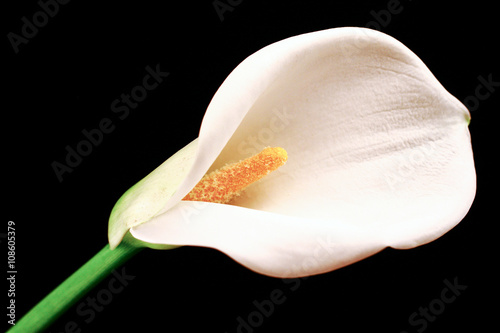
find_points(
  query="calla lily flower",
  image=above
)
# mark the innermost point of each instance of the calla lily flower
(379, 155)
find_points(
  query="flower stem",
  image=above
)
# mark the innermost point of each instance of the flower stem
(73, 288)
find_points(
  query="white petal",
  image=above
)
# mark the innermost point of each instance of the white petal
(373, 140)
(268, 243)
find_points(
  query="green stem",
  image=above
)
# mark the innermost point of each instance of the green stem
(73, 288)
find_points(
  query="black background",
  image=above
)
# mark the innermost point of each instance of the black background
(64, 80)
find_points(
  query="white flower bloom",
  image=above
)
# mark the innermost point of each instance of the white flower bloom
(379, 155)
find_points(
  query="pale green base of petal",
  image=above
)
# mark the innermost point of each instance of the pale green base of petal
(149, 196)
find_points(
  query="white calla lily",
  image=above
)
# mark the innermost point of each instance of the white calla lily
(379, 155)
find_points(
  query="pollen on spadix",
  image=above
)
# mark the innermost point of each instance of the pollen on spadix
(224, 184)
